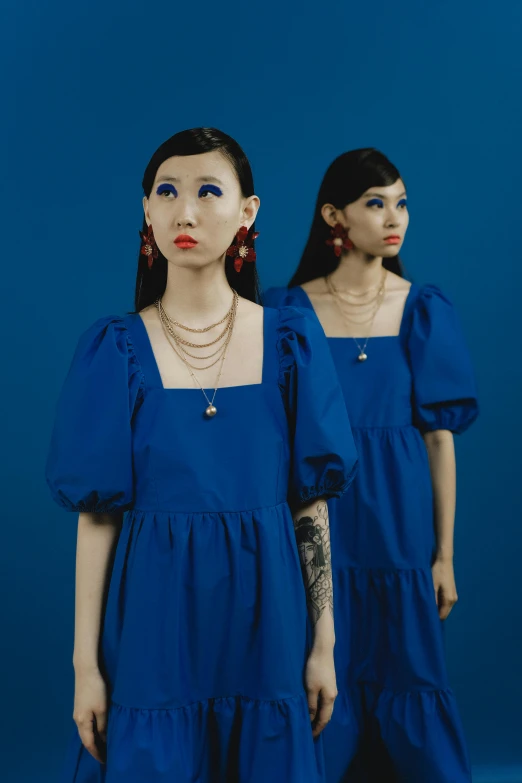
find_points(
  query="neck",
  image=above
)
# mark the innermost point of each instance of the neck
(197, 297)
(358, 271)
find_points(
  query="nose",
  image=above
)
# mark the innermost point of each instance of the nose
(185, 212)
(392, 219)
(186, 222)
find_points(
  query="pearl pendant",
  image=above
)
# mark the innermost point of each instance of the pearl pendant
(210, 411)
(362, 357)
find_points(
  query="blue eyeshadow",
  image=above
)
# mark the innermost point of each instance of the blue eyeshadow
(166, 188)
(210, 189)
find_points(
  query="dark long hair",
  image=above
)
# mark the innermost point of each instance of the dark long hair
(151, 283)
(347, 178)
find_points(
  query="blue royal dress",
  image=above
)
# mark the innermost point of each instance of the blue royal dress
(204, 635)
(394, 697)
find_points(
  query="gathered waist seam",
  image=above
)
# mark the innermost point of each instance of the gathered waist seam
(241, 696)
(385, 427)
(383, 570)
(376, 685)
(207, 511)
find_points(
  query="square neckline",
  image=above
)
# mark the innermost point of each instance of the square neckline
(152, 373)
(405, 312)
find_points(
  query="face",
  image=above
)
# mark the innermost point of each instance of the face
(196, 208)
(306, 551)
(376, 222)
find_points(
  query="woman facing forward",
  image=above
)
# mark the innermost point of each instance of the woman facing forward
(183, 432)
(408, 384)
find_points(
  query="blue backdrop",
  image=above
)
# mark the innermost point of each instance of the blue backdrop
(90, 90)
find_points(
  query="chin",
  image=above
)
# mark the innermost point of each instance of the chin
(187, 260)
(392, 251)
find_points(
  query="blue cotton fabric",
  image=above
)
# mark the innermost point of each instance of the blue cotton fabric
(204, 634)
(394, 696)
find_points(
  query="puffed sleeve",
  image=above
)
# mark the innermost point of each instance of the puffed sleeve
(277, 297)
(89, 466)
(282, 297)
(324, 457)
(444, 393)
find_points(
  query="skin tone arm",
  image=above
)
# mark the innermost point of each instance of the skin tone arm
(97, 538)
(441, 453)
(320, 672)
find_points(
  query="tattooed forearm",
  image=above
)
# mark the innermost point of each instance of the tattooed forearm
(312, 532)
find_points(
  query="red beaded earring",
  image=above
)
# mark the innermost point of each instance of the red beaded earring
(243, 250)
(339, 239)
(149, 247)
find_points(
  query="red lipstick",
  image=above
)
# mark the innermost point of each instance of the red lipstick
(185, 241)
(392, 240)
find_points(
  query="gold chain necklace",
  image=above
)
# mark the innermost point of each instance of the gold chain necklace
(180, 343)
(377, 301)
(365, 311)
(356, 293)
(211, 410)
(199, 331)
(362, 319)
(172, 337)
(168, 323)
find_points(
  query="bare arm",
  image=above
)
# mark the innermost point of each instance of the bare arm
(312, 529)
(97, 538)
(441, 453)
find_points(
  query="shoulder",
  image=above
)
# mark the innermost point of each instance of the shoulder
(299, 334)
(301, 342)
(249, 321)
(107, 336)
(149, 316)
(300, 319)
(280, 297)
(148, 313)
(432, 316)
(249, 309)
(397, 293)
(106, 324)
(317, 286)
(430, 297)
(317, 294)
(397, 284)
(104, 360)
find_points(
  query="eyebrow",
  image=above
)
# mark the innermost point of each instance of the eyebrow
(199, 179)
(380, 195)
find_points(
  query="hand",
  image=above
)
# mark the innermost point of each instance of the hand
(90, 712)
(321, 687)
(445, 588)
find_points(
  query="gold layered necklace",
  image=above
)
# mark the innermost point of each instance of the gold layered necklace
(180, 345)
(359, 308)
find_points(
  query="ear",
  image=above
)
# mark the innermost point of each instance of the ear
(249, 211)
(332, 215)
(146, 210)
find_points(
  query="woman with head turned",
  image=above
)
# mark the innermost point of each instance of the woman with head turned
(408, 384)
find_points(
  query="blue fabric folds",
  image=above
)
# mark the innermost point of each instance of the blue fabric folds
(204, 633)
(219, 741)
